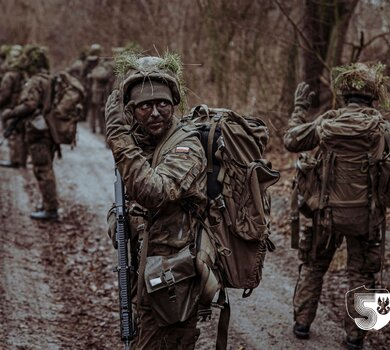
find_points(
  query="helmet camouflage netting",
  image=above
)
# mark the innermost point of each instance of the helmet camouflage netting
(35, 58)
(364, 79)
(133, 68)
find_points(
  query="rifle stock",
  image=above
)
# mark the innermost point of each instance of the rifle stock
(123, 268)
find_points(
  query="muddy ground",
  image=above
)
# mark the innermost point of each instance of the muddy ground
(58, 291)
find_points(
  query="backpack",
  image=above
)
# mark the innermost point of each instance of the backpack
(63, 107)
(237, 219)
(348, 173)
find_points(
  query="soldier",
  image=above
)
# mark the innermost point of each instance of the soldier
(101, 79)
(342, 203)
(139, 118)
(32, 106)
(77, 67)
(10, 88)
(90, 63)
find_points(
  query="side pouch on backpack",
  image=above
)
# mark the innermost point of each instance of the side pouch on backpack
(63, 128)
(173, 286)
(384, 182)
(206, 268)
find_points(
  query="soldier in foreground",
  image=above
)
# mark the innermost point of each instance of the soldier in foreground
(336, 189)
(10, 89)
(139, 118)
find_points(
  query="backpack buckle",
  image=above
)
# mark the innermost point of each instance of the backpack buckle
(170, 281)
(168, 277)
(220, 202)
(220, 143)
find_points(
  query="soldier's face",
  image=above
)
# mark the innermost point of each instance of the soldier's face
(155, 117)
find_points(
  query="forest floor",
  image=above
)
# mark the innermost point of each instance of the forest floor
(58, 291)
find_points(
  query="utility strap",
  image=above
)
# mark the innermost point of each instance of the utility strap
(223, 327)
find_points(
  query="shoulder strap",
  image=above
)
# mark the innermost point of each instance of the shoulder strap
(49, 96)
(177, 134)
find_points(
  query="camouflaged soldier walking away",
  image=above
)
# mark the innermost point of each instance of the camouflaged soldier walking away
(91, 61)
(40, 143)
(139, 118)
(338, 190)
(10, 89)
(101, 78)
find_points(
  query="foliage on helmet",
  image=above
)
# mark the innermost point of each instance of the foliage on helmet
(11, 55)
(95, 50)
(4, 49)
(362, 79)
(35, 59)
(132, 67)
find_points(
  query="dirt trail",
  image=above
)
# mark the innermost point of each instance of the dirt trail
(57, 288)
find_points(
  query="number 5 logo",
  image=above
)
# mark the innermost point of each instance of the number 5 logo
(372, 304)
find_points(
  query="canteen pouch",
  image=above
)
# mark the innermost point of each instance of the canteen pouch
(172, 286)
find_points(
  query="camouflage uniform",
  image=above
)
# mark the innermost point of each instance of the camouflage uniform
(32, 103)
(10, 88)
(178, 178)
(364, 256)
(41, 145)
(101, 86)
(91, 61)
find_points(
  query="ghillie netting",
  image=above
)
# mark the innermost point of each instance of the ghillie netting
(170, 63)
(362, 78)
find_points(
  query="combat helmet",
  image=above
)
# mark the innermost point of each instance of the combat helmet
(366, 80)
(13, 56)
(95, 50)
(35, 59)
(4, 49)
(134, 69)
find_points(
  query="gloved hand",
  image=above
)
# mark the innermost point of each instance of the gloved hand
(303, 96)
(111, 222)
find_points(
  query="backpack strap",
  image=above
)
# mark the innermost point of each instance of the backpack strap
(142, 265)
(224, 319)
(214, 124)
(174, 136)
(294, 216)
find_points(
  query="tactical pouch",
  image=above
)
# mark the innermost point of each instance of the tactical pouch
(173, 286)
(63, 128)
(305, 244)
(36, 129)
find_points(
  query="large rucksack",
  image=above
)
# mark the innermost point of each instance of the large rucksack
(63, 107)
(346, 182)
(237, 219)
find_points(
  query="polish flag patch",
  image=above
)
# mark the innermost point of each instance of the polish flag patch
(182, 149)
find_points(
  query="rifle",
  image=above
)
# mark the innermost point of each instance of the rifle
(123, 268)
(11, 127)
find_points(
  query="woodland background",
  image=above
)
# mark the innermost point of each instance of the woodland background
(245, 54)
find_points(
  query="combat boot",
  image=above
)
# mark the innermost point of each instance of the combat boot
(354, 344)
(44, 215)
(301, 331)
